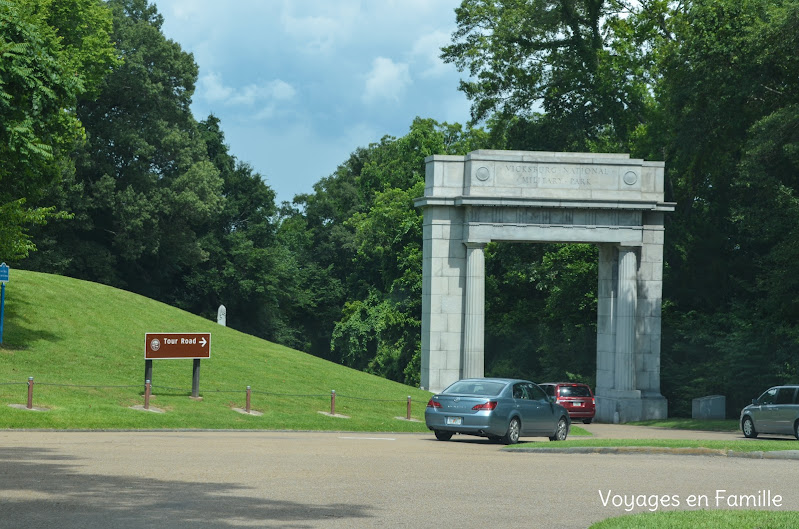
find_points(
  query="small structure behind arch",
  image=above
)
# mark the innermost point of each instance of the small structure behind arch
(520, 196)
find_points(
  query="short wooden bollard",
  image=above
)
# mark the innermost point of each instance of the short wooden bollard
(248, 399)
(30, 393)
(408, 413)
(147, 390)
(332, 402)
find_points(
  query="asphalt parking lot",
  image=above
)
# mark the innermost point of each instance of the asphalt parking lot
(183, 479)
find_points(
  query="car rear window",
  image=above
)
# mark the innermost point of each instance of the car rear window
(574, 391)
(487, 389)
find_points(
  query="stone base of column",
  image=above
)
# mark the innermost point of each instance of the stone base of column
(618, 407)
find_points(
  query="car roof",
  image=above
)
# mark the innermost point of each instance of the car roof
(493, 379)
(563, 383)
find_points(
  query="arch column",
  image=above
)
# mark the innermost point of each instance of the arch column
(473, 364)
(625, 320)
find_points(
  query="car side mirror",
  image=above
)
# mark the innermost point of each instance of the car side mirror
(754, 401)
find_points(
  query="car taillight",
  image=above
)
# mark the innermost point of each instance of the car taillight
(490, 405)
(593, 402)
(433, 404)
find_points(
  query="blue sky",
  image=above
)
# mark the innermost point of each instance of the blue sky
(300, 84)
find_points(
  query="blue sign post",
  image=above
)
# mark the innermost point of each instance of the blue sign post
(3, 280)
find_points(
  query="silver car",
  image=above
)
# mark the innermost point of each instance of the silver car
(498, 408)
(776, 411)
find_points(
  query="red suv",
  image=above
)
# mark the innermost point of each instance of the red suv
(576, 398)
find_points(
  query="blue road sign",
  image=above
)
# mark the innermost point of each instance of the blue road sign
(3, 280)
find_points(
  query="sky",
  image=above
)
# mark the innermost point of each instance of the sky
(300, 84)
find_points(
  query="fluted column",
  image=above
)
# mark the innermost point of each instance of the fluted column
(474, 313)
(625, 320)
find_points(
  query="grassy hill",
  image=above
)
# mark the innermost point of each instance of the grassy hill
(84, 345)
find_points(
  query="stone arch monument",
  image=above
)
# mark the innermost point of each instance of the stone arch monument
(606, 199)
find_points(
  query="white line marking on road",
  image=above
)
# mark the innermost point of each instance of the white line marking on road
(371, 438)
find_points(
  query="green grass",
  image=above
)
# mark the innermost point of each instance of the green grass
(739, 445)
(576, 430)
(703, 520)
(727, 425)
(84, 345)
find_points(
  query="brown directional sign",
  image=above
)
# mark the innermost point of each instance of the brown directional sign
(177, 345)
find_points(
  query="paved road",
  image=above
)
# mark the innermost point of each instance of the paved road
(346, 480)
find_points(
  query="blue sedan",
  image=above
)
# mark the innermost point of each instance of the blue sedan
(498, 408)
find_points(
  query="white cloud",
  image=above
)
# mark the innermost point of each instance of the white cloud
(281, 90)
(318, 33)
(184, 10)
(212, 89)
(386, 81)
(321, 32)
(427, 50)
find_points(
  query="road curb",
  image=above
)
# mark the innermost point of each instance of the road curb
(776, 454)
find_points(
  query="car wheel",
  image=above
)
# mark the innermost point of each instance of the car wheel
(443, 436)
(587, 421)
(796, 429)
(748, 428)
(514, 429)
(561, 431)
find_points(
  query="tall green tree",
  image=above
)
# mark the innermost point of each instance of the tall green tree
(48, 61)
(726, 92)
(144, 190)
(575, 67)
(150, 189)
(381, 331)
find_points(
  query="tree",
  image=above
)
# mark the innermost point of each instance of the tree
(143, 190)
(382, 331)
(577, 65)
(150, 189)
(725, 98)
(47, 62)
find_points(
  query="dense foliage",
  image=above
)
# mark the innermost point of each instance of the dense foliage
(50, 54)
(151, 200)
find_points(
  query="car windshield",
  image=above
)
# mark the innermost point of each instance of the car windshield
(472, 387)
(574, 391)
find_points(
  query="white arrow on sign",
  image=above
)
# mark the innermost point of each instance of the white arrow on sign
(202, 341)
